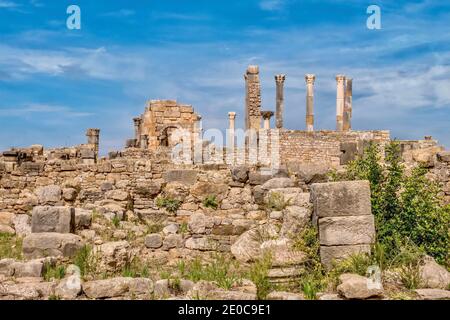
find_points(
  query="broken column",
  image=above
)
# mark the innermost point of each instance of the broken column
(266, 115)
(253, 98)
(340, 94)
(137, 130)
(348, 104)
(310, 78)
(342, 211)
(93, 137)
(279, 80)
(143, 141)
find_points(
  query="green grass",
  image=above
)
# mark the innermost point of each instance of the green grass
(171, 205)
(10, 246)
(211, 202)
(86, 260)
(276, 202)
(259, 275)
(136, 269)
(54, 272)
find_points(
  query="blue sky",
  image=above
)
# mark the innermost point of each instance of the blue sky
(55, 82)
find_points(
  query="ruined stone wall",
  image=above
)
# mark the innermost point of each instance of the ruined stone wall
(328, 147)
(161, 117)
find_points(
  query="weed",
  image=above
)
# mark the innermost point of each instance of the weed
(276, 201)
(211, 202)
(10, 246)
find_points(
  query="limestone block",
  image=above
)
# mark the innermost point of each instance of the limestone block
(153, 241)
(172, 241)
(354, 286)
(118, 195)
(240, 174)
(348, 230)
(203, 189)
(444, 156)
(49, 194)
(346, 198)
(433, 294)
(198, 223)
(109, 288)
(69, 194)
(309, 172)
(6, 218)
(187, 177)
(53, 219)
(339, 253)
(83, 218)
(295, 218)
(278, 183)
(33, 268)
(433, 275)
(39, 245)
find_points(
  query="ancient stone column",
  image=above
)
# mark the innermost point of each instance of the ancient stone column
(266, 115)
(93, 137)
(310, 78)
(340, 94)
(279, 80)
(143, 141)
(253, 98)
(231, 138)
(348, 104)
(137, 130)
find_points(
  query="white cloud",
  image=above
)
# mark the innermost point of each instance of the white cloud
(33, 109)
(8, 4)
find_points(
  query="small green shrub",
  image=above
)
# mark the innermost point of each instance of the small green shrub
(154, 227)
(115, 221)
(136, 269)
(259, 275)
(10, 246)
(171, 205)
(86, 260)
(184, 229)
(53, 272)
(276, 201)
(211, 202)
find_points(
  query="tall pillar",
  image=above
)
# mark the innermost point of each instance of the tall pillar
(231, 137)
(143, 141)
(340, 93)
(197, 142)
(137, 130)
(93, 139)
(348, 104)
(279, 80)
(266, 115)
(310, 78)
(253, 98)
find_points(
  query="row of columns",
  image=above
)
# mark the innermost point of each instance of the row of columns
(344, 98)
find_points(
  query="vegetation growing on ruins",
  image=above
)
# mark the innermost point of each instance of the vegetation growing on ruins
(211, 202)
(10, 246)
(408, 208)
(171, 205)
(276, 201)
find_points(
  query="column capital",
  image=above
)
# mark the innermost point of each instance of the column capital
(232, 115)
(340, 78)
(252, 69)
(137, 120)
(310, 78)
(280, 78)
(92, 132)
(267, 114)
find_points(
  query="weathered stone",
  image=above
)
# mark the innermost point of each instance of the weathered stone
(38, 245)
(118, 195)
(259, 194)
(69, 194)
(433, 275)
(202, 244)
(339, 253)
(347, 230)
(240, 174)
(309, 173)
(22, 224)
(354, 286)
(198, 223)
(109, 288)
(444, 156)
(69, 288)
(330, 296)
(248, 246)
(346, 198)
(282, 253)
(49, 194)
(113, 255)
(203, 189)
(277, 215)
(53, 219)
(27, 291)
(7, 230)
(171, 229)
(433, 294)
(106, 186)
(7, 218)
(140, 286)
(294, 220)
(278, 183)
(83, 218)
(172, 241)
(292, 196)
(33, 268)
(258, 178)
(283, 295)
(161, 289)
(187, 177)
(153, 241)
(6, 267)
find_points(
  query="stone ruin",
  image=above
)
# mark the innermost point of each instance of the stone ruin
(59, 200)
